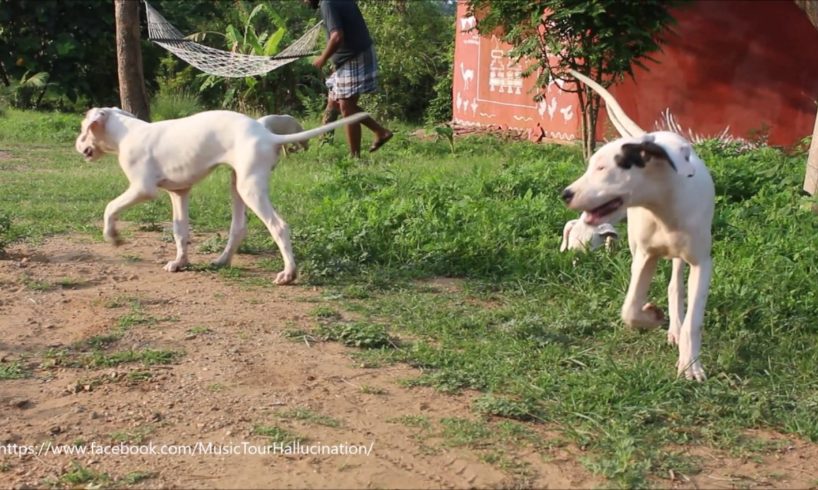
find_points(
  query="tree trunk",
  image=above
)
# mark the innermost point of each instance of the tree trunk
(132, 94)
(811, 179)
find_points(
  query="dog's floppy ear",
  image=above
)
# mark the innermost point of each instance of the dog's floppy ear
(639, 154)
(96, 118)
(678, 152)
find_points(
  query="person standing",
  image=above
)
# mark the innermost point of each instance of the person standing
(352, 53)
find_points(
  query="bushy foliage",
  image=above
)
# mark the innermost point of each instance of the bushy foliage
(414, 42)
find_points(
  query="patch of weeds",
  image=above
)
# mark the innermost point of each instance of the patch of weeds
(80, 475)
(198, 330)
(465, 432)
(139, 376)
(373, 390)
(212, 245)
(298, 335)
(362, 335)
(133, 436)
(12, 370)
(356, 291)
(277, 435)
(325, 313)
(136, 317)
(666, 464)
(147, 357)
(135, 477)
(70, 283)
(415, 421)
(37, 284)
(131, 259)
(98, 342)
(215, 387)
(307, 415)
(506, 407)
(120, 301)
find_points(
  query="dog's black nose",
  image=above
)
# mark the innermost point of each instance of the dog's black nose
(567, 195)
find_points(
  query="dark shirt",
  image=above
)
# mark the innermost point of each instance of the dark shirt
(344, 16)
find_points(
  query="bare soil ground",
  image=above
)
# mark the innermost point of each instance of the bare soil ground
(237, 372)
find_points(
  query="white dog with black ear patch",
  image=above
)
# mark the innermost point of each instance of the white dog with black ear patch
(669, 196)
(176, 154)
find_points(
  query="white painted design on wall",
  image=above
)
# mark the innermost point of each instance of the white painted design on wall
(467, 74)
(458, 101)
(474, 106)
(567, 112)
(505, 75)
(467, 23)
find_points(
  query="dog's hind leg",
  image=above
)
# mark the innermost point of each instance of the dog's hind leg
(690, 337)
(238, 225)
(253, 190)
(675, 300)
(636, 311)
(181, 228)
(134, 195)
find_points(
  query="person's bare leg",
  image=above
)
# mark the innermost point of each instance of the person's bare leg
(349, 107)
(331, 113)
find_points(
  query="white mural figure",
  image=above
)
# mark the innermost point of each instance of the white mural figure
(542, 106)
(474, 106)
(505, 78)
(467, 74)
(467, 23)
(552, 107)
(567, 112)
(458, 101)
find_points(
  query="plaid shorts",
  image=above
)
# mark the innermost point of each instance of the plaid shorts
(357, 76)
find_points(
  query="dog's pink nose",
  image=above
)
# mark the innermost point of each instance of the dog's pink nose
(567, 195)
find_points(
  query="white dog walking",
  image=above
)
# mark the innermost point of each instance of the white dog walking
(669, 196)
(176, 154)
(284, 124)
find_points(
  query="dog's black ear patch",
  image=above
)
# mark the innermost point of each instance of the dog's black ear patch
(639, 154)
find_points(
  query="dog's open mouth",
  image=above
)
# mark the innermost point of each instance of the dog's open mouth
(597, 215)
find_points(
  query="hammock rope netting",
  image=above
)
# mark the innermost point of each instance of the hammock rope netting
(224, 63)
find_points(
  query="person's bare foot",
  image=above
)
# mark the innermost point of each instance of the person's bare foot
(382, 139)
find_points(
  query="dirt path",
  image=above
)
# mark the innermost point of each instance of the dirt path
(236, 382)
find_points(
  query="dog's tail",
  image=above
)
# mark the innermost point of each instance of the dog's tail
(620, 120)
(283, 139)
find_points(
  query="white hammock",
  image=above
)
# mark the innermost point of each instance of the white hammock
(224, 63)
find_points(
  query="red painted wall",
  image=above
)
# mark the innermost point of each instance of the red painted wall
(745, 65)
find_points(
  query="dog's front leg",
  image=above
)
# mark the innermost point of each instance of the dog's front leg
(636, 311)
(134, 195)
(181, 228)
(675, 300)
(690, 338)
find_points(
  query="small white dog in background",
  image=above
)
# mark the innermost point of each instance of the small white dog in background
(670, 199)
(284, 124)
(579, 235)
(174, 155)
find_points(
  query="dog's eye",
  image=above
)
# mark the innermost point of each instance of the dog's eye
(600, 167)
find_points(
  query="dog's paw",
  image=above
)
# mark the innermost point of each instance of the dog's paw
(285, 277)
(673, 336)
(690, 369)
(651, 316)
(112, 237)
(175, 265)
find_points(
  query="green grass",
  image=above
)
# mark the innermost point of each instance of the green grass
(310, 416)
(12, 370)
(277, 435)
(537, 335)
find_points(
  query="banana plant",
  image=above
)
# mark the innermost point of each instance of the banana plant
(247, 93)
